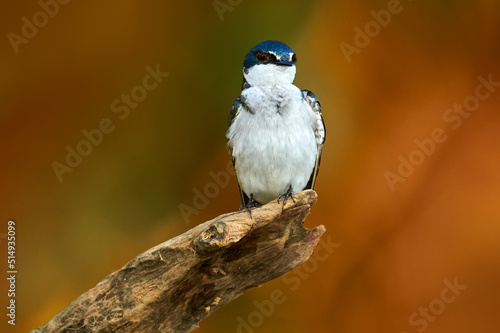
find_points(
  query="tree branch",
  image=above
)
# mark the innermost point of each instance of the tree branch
(175, 285)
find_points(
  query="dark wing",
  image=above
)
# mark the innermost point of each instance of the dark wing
(319, 132)
(235, 110)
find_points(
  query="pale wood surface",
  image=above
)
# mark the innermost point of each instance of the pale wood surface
(173, 286)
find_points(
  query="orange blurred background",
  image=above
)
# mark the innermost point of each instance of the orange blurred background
(413, 225)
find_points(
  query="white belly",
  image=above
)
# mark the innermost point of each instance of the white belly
(273, 150)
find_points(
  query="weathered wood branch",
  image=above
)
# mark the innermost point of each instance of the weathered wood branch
(175, 285)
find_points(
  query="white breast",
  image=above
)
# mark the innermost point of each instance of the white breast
(273, 141)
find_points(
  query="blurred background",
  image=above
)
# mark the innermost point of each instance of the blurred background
(409, 185)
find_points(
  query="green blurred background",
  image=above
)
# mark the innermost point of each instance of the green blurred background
(395, 247)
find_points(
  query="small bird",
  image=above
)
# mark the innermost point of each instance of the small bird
(276, 131)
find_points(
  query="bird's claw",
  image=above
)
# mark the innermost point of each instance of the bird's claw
(286, 195)
(251, 204)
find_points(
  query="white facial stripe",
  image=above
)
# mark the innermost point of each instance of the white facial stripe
(278, 57)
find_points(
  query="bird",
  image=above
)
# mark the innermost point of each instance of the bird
(275, 130)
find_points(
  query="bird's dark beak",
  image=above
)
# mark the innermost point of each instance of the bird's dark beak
(283, 63)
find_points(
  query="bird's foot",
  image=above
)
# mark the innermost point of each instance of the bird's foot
(286, 195)
(251, 204)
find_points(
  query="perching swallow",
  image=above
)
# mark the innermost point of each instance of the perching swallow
(276, 131)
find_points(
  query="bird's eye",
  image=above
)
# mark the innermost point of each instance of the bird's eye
(260, 55)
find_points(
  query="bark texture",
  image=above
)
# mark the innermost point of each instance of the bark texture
(173, 286)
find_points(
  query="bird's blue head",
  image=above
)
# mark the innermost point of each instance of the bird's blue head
(269, 63)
